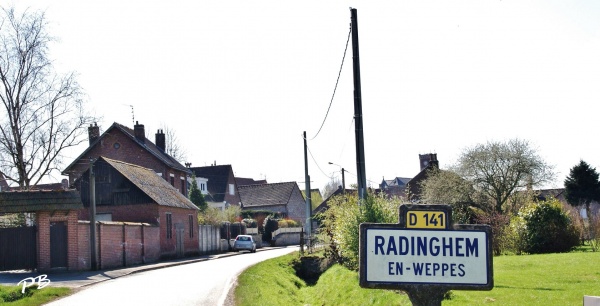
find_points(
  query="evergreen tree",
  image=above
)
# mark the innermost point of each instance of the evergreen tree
(196, 196)
(582, 186)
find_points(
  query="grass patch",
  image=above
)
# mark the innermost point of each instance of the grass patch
(547, 279)
(11, 295)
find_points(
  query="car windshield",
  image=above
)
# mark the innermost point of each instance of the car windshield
(242, 238)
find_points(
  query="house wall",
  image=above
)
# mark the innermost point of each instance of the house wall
(129, 151)
(296, 206)
(229, 198)
(119, 244)
(144, 213)
(44, 218)
(178, 216)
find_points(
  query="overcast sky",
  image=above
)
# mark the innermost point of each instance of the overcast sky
(239, 81)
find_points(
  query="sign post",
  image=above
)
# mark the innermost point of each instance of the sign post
(426, 255)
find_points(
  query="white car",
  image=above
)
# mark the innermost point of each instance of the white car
(244, 242)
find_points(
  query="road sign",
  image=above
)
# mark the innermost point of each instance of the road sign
(409, 256)
(425, 250)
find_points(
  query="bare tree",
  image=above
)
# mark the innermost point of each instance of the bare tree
(499, 169)
(42, 111)
(172, 146)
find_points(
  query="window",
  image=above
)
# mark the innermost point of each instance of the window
(191, 219)
(183, 186)
(172, 181)
(231, 189)
(169, 225)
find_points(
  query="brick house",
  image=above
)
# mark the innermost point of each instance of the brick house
(222, 188)
(131, 193)
(119, 142)
(283, 198)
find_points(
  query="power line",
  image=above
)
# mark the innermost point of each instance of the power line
(314, 160)
(336, 84)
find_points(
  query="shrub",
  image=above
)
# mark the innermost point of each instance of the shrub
(499, 224)
(548, 228)
(340, 224)
(250, 223)
(270, 225)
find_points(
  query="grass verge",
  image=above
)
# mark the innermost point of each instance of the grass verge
(11, 295)
(547, 279)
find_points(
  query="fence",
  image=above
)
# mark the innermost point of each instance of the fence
(209, 239)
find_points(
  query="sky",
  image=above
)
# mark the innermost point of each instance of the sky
(240, 81)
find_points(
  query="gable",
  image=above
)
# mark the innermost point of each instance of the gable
(219, 178)
(133, 151)
(147, 185)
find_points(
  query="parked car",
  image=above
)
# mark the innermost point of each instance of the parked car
(244, 242)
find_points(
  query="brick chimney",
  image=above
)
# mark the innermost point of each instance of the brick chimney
(138, 131)
(160, 140)
(428, 160)
(93, 133)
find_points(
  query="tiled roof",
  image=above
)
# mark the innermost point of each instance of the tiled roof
(30, 201)
(266, 194)
(218, 178)
(147, 145)
(151, 184)
(243, 181)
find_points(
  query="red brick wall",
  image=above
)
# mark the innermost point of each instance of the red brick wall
(178, 216)
(44, 219)
(129, 151)
(110, 242)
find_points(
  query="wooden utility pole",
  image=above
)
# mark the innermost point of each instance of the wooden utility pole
(358, 120)
(307, 190)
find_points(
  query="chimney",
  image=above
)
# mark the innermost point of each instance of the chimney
(93, 132)
(160, 140)
(138, 131)
(428, 160)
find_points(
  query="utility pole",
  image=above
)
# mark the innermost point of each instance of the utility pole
(307, 191)
(93, 217)
(358, 120)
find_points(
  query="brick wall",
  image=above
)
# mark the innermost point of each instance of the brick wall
(179, 216)
(117, 241)
(44, 218)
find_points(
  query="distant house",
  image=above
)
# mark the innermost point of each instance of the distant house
(131, 193)
(410, 188)
(325, 204)
(243, 181)
(221, 189)
(283, 198)
(121, 143)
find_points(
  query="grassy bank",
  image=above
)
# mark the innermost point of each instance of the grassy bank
(549, 279)
(11, 295)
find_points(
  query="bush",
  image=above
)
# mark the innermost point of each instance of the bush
(250, 223)
(547, 228)
(270, 225)
(340, 224)
(288, 223)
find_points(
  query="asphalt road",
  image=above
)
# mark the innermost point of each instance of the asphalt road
(200, 283)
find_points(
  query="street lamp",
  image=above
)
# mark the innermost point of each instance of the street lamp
(343, 178)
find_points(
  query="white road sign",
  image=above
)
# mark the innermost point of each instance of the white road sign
(426, 256)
